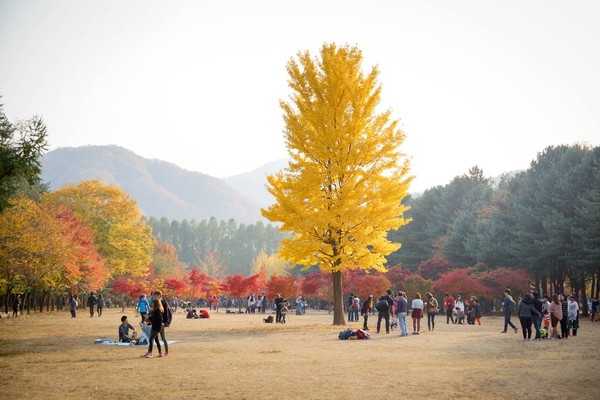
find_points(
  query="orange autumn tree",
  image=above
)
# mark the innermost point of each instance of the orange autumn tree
(120, 234)
(343, 188)
(287, 286)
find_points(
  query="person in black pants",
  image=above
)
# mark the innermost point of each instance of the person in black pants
(385, 308)
(279, 303)
(564, 322)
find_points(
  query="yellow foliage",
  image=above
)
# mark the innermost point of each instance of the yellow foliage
(271, 264)
(120, 233)
(343, 188)
(33, 250)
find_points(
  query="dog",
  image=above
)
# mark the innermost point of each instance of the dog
(268, 320)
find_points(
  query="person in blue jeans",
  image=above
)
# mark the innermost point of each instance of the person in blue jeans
(507, 305)
(537, 319)
(402, 312)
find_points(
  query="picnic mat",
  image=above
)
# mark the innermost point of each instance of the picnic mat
(113, 343)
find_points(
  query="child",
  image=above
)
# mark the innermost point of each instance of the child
(124, 331)
(546, 320)
(460, 315)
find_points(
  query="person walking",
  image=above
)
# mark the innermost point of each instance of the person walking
(417, 313)
(385, 309)
(91, 303)
(449, 307)
(15, 305)
(507, 305)
(73, 305)
(364, 311)
(100, 305)
(143, 307)
(432, 309)
(526, 311)
(402, 312)
(156, 318)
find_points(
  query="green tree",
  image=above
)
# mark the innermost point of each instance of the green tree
(21, 146)
(344, 186)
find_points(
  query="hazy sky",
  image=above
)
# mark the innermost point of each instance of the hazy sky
(198, 83)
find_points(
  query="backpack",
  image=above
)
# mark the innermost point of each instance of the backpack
(382, 305)
(167, 315)
(360, 334)
(345, 335)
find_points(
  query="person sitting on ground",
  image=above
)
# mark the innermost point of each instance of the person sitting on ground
(192, 314)
(204, 314)
(124, 331)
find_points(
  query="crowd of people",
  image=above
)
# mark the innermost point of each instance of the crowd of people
(537, 316)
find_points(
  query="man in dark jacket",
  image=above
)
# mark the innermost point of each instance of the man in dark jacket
(279, 303)
(91, 303)
(385, 308)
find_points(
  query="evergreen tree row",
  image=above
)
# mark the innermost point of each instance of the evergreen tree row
(233, 246)
(545, 220)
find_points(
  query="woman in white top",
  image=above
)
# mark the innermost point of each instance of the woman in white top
(417, 313)
(459, 305)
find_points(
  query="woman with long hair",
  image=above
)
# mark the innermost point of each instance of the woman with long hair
(156, 319)
(556, 315)
(417, 313)
(432, 309)
(158, 295)
(365, 309)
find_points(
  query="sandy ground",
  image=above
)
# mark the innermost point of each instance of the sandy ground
(52, 356)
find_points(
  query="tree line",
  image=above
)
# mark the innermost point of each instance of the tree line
(230, 246)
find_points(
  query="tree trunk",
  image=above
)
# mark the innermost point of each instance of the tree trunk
(545, 284)
(42, 301)
(339, 316)
(583, 298)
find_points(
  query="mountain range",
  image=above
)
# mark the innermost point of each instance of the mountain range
(161, 189)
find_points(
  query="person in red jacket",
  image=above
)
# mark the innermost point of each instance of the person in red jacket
(449, 307)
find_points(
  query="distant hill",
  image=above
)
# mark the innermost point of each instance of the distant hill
(161, 189)
(252, 184)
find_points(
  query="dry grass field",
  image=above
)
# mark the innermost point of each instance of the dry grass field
(51, 356)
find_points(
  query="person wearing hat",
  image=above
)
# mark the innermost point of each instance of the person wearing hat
(365, 310)
(143, 306)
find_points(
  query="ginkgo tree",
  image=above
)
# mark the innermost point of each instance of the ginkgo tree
(343, 188)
